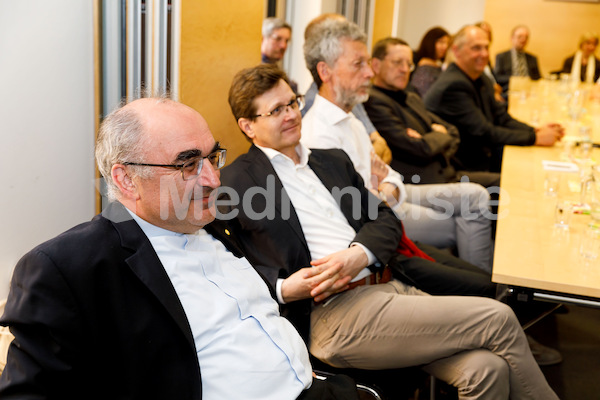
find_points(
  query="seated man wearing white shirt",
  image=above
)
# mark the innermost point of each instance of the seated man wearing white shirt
(441, 215)
(146, 301)
(306, 221)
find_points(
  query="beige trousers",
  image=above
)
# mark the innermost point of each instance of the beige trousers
(473, 343)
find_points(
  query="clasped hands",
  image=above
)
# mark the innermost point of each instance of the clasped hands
(548, 134)
(326, 276)
(388, 192)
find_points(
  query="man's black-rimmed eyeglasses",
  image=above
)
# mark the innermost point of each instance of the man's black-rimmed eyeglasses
(296, 104)
(192, 168)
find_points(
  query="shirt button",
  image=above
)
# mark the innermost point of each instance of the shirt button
(329, 213)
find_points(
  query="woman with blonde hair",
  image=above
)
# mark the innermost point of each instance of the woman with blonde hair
(583, 65)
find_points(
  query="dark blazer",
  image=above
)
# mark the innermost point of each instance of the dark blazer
(95, 316)
(276, 246)
(503, 69)
(483, 123)
(568, 65)
(429, 157)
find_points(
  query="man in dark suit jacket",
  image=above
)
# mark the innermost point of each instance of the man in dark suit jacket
(422, 143)
(464, 97)
(507, 63)
(323, 241)
(125, 306)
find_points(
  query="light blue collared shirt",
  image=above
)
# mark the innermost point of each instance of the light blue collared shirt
(246, 350)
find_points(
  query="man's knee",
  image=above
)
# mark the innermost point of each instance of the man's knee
(477, 195)
(488, 377)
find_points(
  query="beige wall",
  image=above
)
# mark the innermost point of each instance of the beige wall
(218, 38)
(555, 27)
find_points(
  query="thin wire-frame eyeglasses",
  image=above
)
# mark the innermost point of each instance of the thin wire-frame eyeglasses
(296, 104)
(191, 169)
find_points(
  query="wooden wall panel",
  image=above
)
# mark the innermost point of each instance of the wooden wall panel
(218, 38)
(383, 20)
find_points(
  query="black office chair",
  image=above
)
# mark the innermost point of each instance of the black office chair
(386, 384)
(364, 392)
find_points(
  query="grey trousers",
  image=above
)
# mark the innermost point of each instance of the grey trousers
(451, 214)
(473, 343)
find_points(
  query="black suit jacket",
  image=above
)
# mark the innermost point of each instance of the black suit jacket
(429, 157)
(483, 123)
(275, 244)
(95, 316)
(503, 69)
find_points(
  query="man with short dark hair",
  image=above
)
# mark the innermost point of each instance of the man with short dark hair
(145, 301)
(464, 97)
(324, 241)
(516, 61)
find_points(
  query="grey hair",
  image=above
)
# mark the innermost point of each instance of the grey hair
(271, 24)
(460, 38)
(121, 139)
(324, 43)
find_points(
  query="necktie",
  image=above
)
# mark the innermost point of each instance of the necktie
(521, 68)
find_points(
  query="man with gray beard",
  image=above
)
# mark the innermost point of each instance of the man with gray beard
(440, 215)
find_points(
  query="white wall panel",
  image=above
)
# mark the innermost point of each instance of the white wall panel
(418, 16)
(46, 123)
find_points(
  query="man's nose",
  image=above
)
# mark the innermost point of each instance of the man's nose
(209, 176)
(369, 72)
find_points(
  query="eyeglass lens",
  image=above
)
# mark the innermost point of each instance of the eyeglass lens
(192, 168)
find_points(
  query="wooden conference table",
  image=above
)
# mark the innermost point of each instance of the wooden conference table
(530, 251)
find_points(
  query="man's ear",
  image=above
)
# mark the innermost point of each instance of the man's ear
(375, 65)
(124, 182)
(246, 126)
(324, 71)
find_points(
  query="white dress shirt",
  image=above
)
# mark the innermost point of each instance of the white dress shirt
(246, 350)
(312, 201)
(327, 126)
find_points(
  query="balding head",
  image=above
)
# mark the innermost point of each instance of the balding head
(153, 155)
(470, 48)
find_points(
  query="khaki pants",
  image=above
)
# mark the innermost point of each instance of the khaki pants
(473, 343)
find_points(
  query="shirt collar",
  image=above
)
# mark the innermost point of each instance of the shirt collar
(151, 230)
(272, 154)
(329, 111)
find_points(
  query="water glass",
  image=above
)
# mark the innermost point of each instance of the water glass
(590, 243)
(551, 184)
(562, 214)
(595, 209)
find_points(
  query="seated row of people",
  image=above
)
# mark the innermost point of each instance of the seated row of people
(429, 58)
(157, 299)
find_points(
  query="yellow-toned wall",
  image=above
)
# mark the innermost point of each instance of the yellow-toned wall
(218, 38)
(555, 27)
(383, 19)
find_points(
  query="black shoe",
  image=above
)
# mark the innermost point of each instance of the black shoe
(543, 355)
